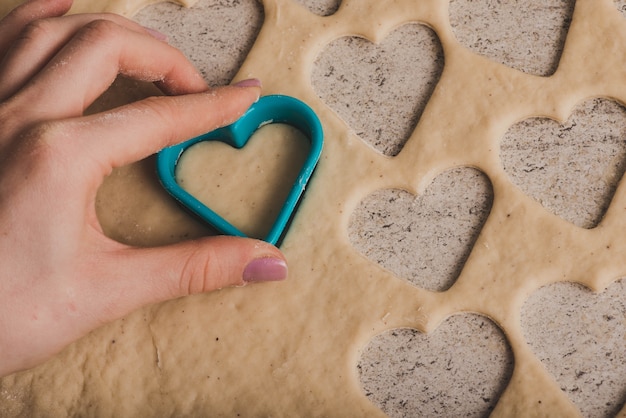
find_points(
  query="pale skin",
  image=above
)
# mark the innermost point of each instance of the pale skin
(61, 277)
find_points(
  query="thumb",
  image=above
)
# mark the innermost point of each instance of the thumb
(141, 276)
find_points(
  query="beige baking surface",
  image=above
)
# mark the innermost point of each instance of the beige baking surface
(299, 348)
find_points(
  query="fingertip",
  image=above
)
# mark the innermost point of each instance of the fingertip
(251, 87)
(156, 34)
(258, 261)
(265, 269)
(235, 101)
(250, 82)
(224, 261)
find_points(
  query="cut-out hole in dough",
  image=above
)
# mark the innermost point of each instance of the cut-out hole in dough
(467, 354)
(411, 57)
(424, 239)
(247, 186)
(321, 7)
(536, 156)
(497, 30)
(580, 337)
(216, 50)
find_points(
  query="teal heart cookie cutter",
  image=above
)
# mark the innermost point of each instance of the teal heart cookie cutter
(268, 109)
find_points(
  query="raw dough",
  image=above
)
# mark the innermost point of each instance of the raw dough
(290, 349)
(256, 188)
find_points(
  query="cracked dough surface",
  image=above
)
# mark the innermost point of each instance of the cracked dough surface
(292, 348)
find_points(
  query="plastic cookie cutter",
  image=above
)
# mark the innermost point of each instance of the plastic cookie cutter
(268, 109)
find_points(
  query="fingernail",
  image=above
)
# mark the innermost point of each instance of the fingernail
(156, 34)
(251, 82)
(265, 270)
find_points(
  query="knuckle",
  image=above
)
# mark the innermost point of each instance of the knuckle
(42, 133)
(41, 145)
(98, 31)
(200, 273)
(9, 119)
(37, 31)
(53, 154)
(29, 160)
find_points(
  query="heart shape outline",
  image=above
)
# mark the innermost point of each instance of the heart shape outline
(384, 118)
(268, 109)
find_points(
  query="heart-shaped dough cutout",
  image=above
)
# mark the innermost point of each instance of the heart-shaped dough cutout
(268, 165)
(383, 118)
(534, 154)
(497, 30)
(424, 239)
(580, 337)
(217, 50)
(476, 369)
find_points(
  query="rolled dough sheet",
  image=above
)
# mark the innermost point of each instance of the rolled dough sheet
(292, 348)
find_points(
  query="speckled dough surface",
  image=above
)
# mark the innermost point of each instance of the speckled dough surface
(206, 171)
(298, 348)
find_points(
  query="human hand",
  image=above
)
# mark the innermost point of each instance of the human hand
(60, 276)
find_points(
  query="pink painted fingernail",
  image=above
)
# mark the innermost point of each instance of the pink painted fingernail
(156, 34)
(251, 82)
(265, 270)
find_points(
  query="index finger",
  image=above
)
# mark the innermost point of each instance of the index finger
(91, 61)
(130, 133)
